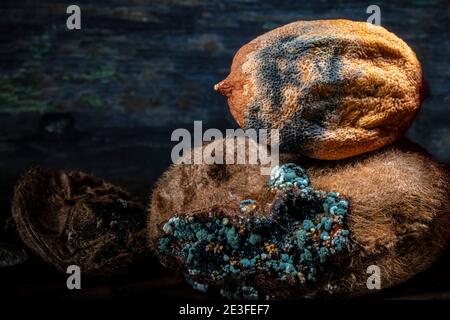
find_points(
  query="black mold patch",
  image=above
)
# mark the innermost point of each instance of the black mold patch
(308, 122)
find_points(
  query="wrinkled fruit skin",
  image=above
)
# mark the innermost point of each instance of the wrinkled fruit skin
(398, 213)
(334, 88)
(71, 218)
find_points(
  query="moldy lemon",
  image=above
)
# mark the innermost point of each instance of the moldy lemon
(334, 88)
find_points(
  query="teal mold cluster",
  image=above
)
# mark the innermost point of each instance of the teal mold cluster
(292, 244)
(288, 175)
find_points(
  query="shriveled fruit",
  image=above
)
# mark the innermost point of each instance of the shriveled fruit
(74, 218)
(334, 88)
(397, 218)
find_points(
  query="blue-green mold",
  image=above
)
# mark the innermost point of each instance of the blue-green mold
(288, 175)
(291, 244)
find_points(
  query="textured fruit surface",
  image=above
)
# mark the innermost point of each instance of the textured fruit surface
(398, 214)
(334, 88)
(74, 218)
(291, 246)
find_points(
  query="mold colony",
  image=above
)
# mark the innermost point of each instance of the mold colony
(291, 244)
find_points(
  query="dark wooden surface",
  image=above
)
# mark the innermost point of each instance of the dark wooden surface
(106, 99)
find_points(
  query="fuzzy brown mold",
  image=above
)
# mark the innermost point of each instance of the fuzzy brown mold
(398, 214)
(74, 218)
(334, 88)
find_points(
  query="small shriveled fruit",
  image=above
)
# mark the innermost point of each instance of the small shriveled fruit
(228, 224)
(334, 88)
(74, 218)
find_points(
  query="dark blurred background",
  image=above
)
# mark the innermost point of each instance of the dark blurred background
(105, 99)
